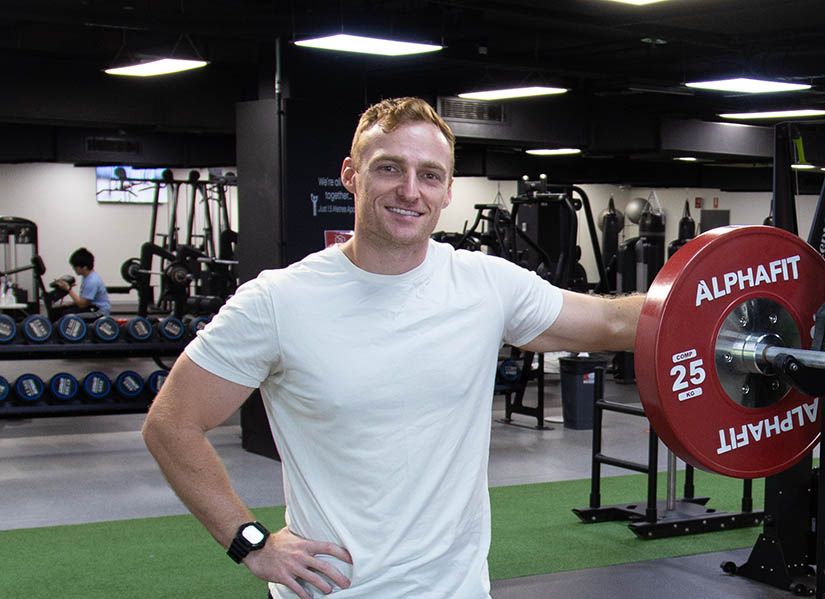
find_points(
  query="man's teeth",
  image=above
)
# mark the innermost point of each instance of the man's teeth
(403, 212)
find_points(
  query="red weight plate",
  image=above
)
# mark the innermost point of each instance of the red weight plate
(676, 372)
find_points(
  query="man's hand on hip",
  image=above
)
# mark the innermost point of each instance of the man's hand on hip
(287, 558)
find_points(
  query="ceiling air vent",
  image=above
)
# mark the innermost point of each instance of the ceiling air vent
(471, 110)
(112, 144)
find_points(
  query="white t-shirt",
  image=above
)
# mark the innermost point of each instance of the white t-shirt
(378, 390)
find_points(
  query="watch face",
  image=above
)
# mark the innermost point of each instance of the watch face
(252, 534)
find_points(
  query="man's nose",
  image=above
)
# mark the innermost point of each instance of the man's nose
(408, 187)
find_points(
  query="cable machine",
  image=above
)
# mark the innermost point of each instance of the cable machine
(197, 269)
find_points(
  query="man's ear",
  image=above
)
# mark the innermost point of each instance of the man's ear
(348, 175)
(449, 197)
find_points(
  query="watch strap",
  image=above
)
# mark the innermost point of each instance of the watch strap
(241, 547)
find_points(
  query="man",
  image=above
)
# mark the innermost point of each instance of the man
(93, 296)
(376, 361)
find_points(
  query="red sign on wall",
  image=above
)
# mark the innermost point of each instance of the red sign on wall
(333, 237)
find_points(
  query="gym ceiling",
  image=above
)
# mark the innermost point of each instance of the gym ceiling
(625, 67)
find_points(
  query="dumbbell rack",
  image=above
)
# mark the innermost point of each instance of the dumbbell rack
(81, 406)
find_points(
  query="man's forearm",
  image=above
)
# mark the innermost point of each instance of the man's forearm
(624, 312)
(194, 471)
(591, 323)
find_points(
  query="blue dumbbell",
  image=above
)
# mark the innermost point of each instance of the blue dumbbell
(72, 328)
(64, 386)
(155, 380)
(106, 329)
(129, 384)
(97, 386)
(8, 328)
(171, 328)
(29, 388)
(138, 329)
(36, 328)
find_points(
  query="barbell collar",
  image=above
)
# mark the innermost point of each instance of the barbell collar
(757, 354)
(746, 353)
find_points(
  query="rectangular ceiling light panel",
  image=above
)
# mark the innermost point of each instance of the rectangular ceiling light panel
(554, 151)
(638, 2)
(514, 92)
(163, 66)
(748, 86)
(774, 114)
(367, 45)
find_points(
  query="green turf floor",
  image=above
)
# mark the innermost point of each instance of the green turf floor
(534, 532)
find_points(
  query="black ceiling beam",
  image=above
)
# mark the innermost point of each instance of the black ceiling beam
(708, 138)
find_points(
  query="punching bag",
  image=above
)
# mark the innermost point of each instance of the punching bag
(612, 223)
(687, 231)
(650, 250)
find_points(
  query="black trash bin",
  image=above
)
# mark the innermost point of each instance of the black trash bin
(578, 390)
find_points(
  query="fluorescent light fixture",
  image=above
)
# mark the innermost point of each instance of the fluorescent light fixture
(637, 2)
(513, 92)
(748, 86)
(802, 167)
(776, 114)
(554, 151)
(367, 45)
(163, 66)
(686, 158)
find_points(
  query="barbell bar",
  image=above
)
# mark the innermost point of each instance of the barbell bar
(176, 273)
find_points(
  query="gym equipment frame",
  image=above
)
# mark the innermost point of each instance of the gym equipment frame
(655, 519)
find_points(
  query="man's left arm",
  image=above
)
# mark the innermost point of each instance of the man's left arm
(591, 323)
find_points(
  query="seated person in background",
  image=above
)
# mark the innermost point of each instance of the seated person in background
(93, 296)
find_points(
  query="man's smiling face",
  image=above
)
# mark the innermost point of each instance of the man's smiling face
(401, 184)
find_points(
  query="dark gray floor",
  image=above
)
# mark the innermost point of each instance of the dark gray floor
(86, 469)
(697, 576)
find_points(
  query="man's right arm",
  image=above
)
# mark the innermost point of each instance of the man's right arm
(191, 402)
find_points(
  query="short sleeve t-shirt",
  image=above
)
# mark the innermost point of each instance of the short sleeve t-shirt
(93, 289)
(379, 390)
